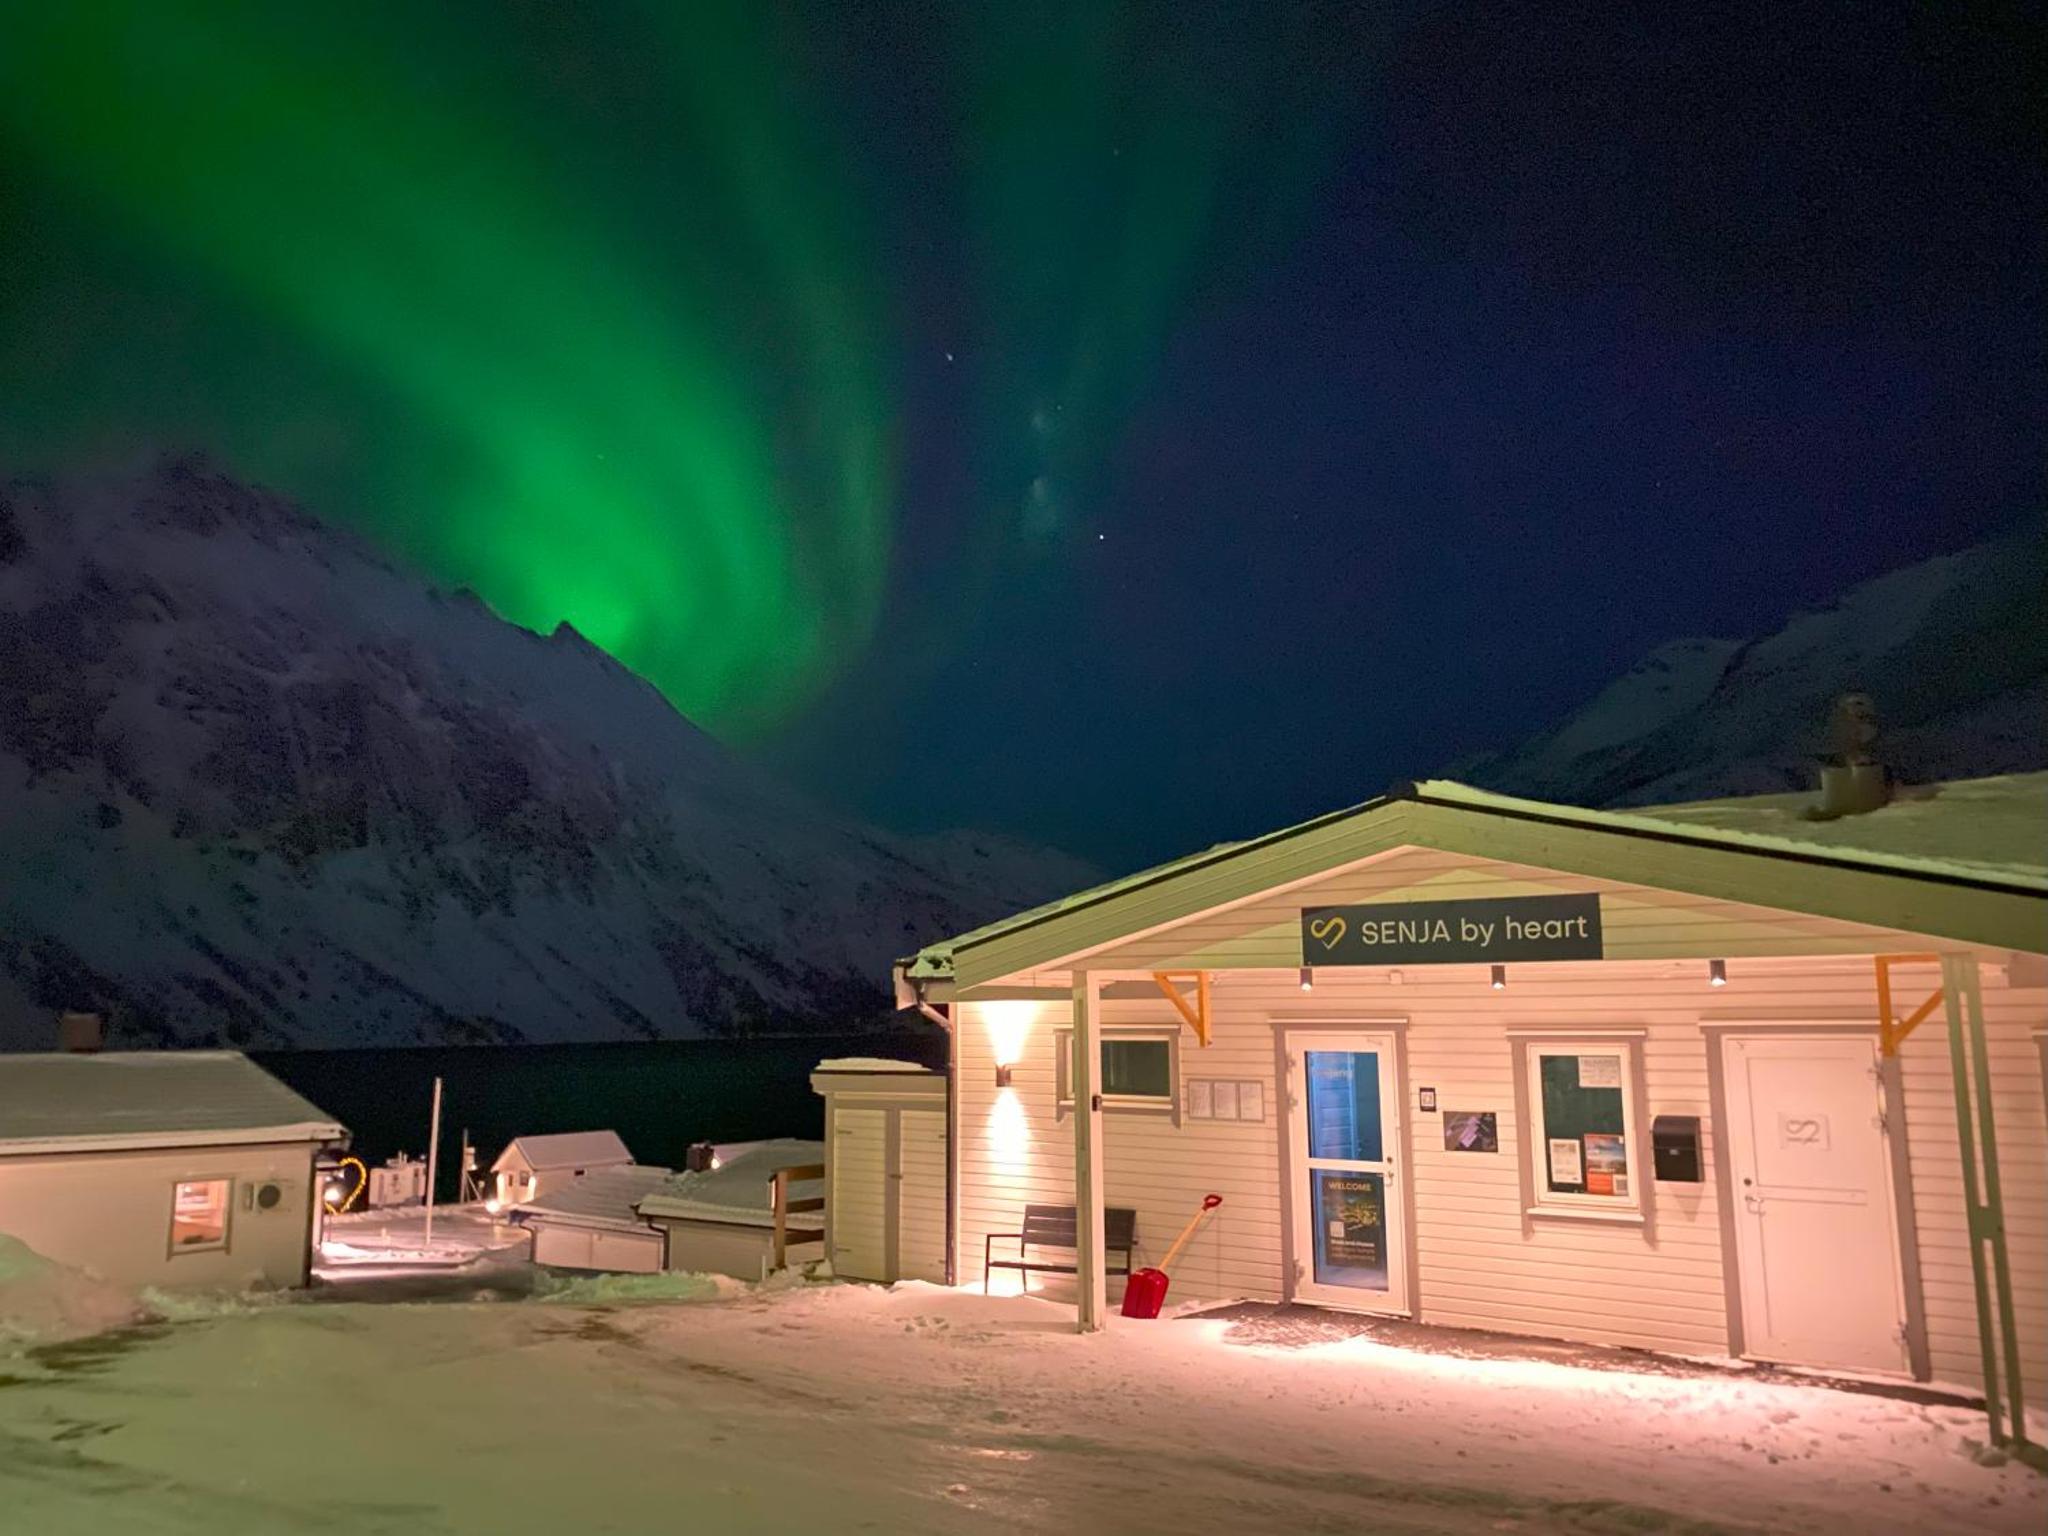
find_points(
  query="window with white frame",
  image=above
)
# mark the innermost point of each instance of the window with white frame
(1581, 1113)
(199, 1214)
(1140, 1070)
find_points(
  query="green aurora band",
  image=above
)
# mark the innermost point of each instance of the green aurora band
(577, 306)
(675, 443)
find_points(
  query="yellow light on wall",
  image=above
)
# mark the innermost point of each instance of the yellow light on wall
(1308, 978)
(1717, 973)
(1500, 978)
(1009, 1026)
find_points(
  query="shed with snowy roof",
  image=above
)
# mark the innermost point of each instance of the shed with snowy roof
(722, 1220)
(591, 1222)
(1735, 1078)
(178, 1169)
(532, 1165)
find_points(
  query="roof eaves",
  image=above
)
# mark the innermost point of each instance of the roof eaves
(938, 961)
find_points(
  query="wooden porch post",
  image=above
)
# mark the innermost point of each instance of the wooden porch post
(1092, 1281)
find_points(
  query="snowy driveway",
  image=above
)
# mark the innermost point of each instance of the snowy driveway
(849, 1409)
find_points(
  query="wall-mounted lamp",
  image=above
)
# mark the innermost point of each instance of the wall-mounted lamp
(1003, 1075)
(1717, 973)
(1500, 977)
(1308, 978)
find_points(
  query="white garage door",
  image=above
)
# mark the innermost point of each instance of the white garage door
(921, 1194)
(633, 1253)
(857, 1204)
(627, 1253)
(561, 1247)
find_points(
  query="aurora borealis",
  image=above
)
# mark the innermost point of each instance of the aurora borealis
(547, 380)
(1121, 422)
(588, 320)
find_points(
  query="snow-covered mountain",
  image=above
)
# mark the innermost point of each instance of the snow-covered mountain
(259, 785)
(1954, 651)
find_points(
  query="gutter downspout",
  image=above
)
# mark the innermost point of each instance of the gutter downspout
(952, 1119)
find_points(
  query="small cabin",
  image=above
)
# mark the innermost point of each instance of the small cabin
(591, 1223)
(722, 1219)
(177, 1169)
(533, 1165)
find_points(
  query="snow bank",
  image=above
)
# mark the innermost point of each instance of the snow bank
(587, 1290)
(44, 1302)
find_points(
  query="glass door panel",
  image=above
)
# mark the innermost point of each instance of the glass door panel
(1346, 1199)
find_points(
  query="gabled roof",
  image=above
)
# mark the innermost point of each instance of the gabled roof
(1982, 842)
(115, 1100)
(602, 1198)
(737, 1191)
(567, 1149)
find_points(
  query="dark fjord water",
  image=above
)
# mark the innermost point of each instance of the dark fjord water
(660, 1096)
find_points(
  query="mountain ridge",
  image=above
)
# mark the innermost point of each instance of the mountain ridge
(1952, 651)
(261, 786)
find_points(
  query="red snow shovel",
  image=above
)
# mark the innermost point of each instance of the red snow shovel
(1146, 1290)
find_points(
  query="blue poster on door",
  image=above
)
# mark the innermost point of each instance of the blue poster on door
(1351, 1229)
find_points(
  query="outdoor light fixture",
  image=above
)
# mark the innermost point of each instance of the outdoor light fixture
(1717, 973)
(1003, 1075)
(1500, 977)
(1308, 978)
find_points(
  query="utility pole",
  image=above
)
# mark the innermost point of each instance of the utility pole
(433, 1159)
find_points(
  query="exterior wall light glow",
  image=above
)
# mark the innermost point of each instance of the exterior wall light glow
(1308, 978)
(1717, 973)
(1500, 977)
(1003, 1075)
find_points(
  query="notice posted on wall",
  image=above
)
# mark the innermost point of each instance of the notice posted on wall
(1212, 1098)
(1471, 1130)
(1567, 1166)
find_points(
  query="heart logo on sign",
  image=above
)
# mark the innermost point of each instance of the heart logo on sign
(1327, 931)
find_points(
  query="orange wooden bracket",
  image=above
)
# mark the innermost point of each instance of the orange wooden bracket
(1891, 1029)
(1197, 1017)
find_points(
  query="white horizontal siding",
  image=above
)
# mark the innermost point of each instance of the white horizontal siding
(1480, 1261)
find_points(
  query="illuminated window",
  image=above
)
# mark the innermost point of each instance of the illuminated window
(1584, 1151)
(1140, 1070)
(199, 1215)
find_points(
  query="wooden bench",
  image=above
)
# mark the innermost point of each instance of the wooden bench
(1053, 1226)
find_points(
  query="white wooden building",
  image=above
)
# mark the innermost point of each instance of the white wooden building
(591, 1222)
(721, 1220)
(1714, 1079)
(533, 1165)
(165, 1168)
(886, 1169)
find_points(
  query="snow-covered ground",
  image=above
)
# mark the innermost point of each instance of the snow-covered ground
(847, 1408)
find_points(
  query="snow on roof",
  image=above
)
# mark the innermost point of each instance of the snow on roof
(1978, 829)
(738, 1191)
(603, 1197)
(1991, 829)
(567, 1149)
(62, 1101)
(869, 1064)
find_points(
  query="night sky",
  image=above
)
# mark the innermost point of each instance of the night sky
(1125, 426)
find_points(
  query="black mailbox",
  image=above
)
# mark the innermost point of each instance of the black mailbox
(1675, 1148)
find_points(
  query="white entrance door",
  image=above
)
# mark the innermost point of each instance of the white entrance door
(1350, 1249)
(1816, 1234)
(857, 1203)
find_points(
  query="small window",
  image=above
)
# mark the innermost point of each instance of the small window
(1585, 1155)
(1140, 1070)
(199, 1215)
